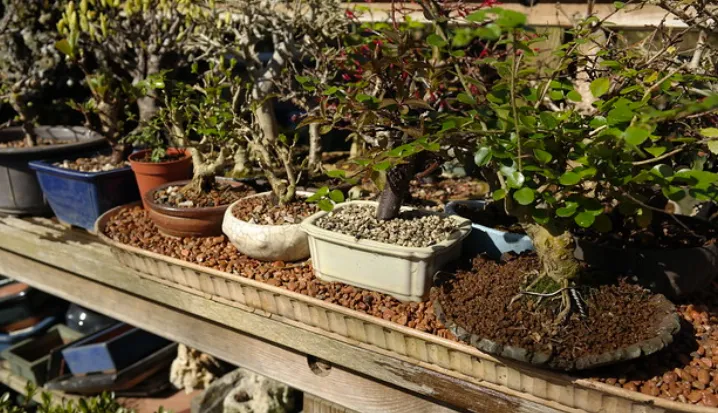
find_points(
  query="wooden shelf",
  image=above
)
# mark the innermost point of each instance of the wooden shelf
(74, 265)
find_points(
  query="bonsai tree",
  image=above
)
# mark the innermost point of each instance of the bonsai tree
(200, 118)
(121, 46)
(27, 58)
(561, 172)
(253, 80)
(396, 81)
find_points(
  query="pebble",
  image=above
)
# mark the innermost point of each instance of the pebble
(409, 230)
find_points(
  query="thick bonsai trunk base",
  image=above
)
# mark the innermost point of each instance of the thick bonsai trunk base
(395, 190)
(559, 268)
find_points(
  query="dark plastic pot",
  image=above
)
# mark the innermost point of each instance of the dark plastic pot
(153, 174)
(492, 242)
(673, 272)
(79, 198)
(20, 192)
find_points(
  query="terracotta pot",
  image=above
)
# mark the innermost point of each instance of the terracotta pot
(184, 222)
(150, 175)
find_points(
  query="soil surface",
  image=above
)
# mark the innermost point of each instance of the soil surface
(479, 300)
(673, 373)
(219, 195)
(147, 158)
(133, 227)
(408, 230)
(687, 370)
(665, 231)
(20, 143)
(97, 163)
(264, 211)
(493, 216)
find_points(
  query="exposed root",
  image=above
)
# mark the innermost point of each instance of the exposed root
(570, 298)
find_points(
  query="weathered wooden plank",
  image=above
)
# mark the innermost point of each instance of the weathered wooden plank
(93, 260)
(554, 14)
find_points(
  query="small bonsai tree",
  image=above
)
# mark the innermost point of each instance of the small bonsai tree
(120, 46)
(254, 79)
(396, 80)
(558, 170)
(27, 57)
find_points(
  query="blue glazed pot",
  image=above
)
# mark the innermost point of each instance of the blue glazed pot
(490, 241)
(79, 198)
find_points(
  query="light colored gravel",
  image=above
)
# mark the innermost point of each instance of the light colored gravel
(409, 229)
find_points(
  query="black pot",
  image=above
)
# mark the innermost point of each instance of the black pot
(20, 191)
(673, 272)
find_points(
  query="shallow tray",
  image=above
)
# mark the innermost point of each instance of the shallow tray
(430, 351)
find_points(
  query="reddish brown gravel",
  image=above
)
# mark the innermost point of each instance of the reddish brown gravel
(263, 210)
(674, 373)
(20, 143)
(95, 164)
(687, 370)
(218, 195)
(479, 300)
(133, 227)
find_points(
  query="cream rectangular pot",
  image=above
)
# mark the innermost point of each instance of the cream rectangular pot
(403, 272)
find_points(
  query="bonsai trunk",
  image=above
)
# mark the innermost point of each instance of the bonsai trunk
(555, 248)
(395, 190)
(120, 152)
(205, 171)
(28, 127)
(147, 105)
(315, 148)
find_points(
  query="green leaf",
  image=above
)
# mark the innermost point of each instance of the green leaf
(597, 122)
(548, 120)
(509, 18)
(65, 47)
(525, 196)
(619, 115)
(713, 147)
(515, 179)
(302, 79)
(337, 196)
(336, 173)
(569, 178)
(662, 170)
(382, 166)
(600, 86)
(436, 40)
(635, 135)
(477, 16)
(332, 90)
(585, 219)
(499, 194)
(542, 156)
(656, 151)
(321, 193)
(364, 98)
(619, 4)
(574, 96)
(567, 211)
(466, 99)
(482, 156)
(710, 132)
(540, 216)
(491, 31)
(556, 95)
(325, 205)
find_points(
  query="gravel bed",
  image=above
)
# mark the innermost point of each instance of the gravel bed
(133, 227)
(262, 210)
(687, 370)
(100, 163)
(408, 230)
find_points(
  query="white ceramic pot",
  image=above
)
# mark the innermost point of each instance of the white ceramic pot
(266, 242)
(403, 272)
